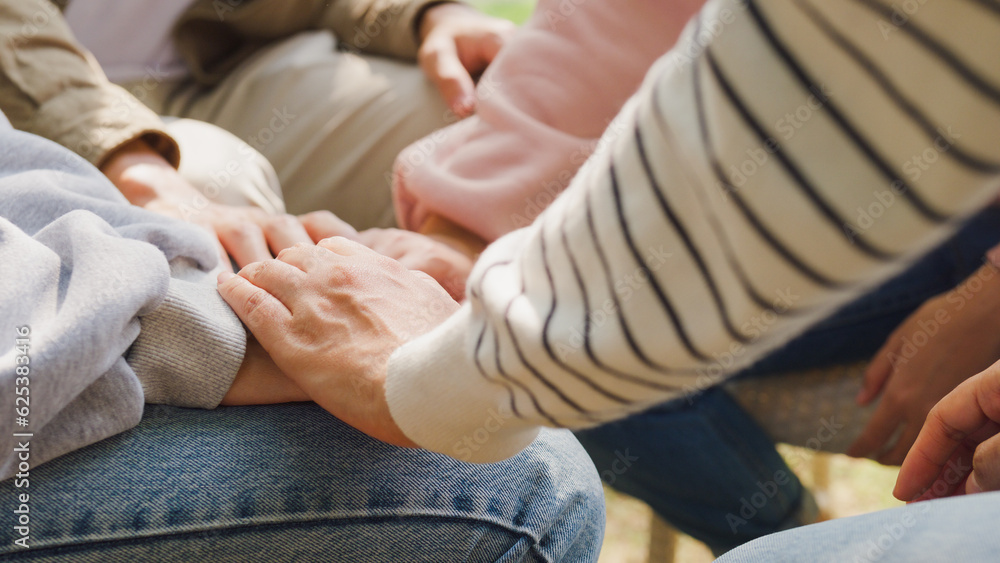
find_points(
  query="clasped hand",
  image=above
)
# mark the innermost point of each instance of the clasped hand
(330, 316)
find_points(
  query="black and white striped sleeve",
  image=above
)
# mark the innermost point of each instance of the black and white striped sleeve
(787, 155)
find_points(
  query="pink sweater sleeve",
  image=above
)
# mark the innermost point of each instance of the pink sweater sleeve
(543, 105)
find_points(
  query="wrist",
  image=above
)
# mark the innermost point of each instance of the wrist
(143, 175)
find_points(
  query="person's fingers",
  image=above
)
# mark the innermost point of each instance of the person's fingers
(306, 257)
(344, 247)
(985, 467)
(881, 426)
(244, 241)
(324, 224)
(878, 373)
(224, 262)
(951, 480)
(426, 278)
(440, 61)
(377, 240)
(284, 231)
(278, 278)
(490, 45)
(263, 313)
(967, 409)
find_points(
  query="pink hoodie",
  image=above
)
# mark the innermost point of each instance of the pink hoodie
(543, 105)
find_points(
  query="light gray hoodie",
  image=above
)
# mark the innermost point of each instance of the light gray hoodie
(120, 306)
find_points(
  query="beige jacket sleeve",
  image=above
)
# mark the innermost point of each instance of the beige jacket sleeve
(52, 87)
(215, 36)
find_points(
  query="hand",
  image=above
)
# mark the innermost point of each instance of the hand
(949, 339)
(958, 449)
(446, 265)
(456, 43)
(444, 258)
(248, 234)
(330, 316)
(260, 382)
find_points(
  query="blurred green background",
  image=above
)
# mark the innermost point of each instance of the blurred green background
(514, 10)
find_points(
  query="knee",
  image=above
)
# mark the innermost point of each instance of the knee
(225, 168)
(562, 498)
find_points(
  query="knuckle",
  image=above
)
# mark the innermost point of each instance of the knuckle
(281, 222)
(243, 229)
(320, 216)
(253, 306)
(937, 416)
(258, 271)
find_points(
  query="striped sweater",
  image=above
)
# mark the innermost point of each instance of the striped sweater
(783, 158)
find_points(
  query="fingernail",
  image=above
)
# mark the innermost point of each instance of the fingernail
(972, 485)
(225, 276)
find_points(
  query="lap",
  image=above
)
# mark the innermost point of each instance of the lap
(291, 482)
(953, 529)
(331, 122)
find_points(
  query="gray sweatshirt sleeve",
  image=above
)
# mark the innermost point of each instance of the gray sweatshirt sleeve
(104, 306)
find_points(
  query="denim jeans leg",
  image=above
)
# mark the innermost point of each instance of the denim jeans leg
(292, 483)
(705, 467)
(946, 530)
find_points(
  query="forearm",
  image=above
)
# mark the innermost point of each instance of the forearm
(660, 271)
(50, 86)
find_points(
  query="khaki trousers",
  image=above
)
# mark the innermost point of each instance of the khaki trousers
(331, 123)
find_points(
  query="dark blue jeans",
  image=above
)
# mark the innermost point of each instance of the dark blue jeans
(699, 461)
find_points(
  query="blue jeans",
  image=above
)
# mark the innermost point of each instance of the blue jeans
(698, 461)
(947, 530)
(292, 483)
